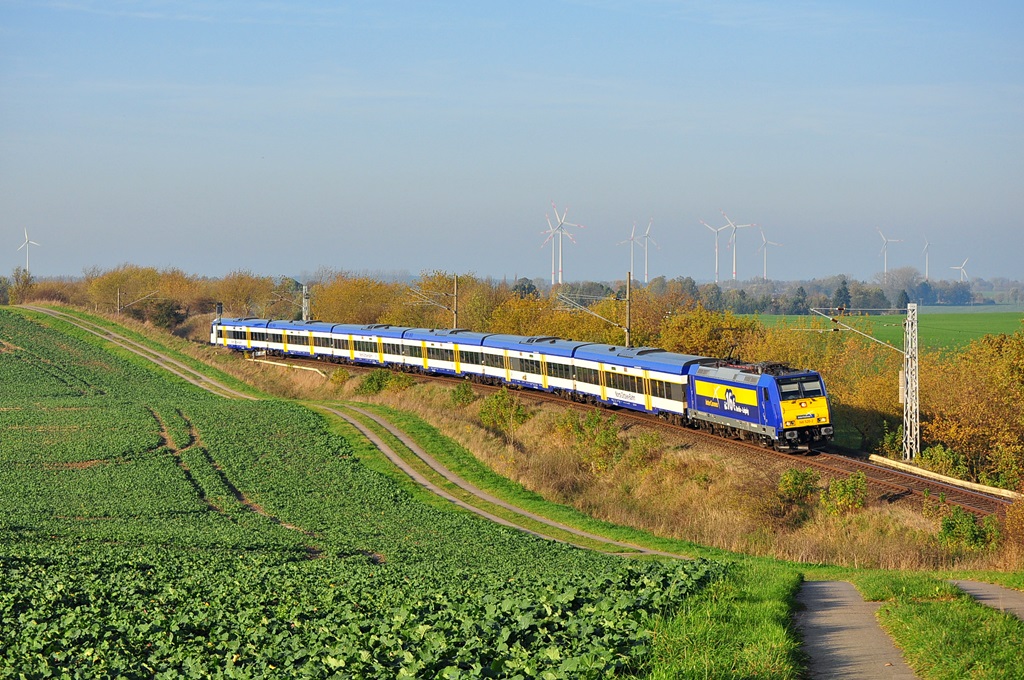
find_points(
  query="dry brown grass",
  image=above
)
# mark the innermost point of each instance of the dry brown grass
(692, 489)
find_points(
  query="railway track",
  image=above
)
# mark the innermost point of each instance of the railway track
(894, 484)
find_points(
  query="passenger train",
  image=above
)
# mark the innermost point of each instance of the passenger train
(764, 402)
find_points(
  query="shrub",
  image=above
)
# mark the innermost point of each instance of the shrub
(945, 461)
(504, 412)
(1013, 525)
(798, 486)
(339, 377)
(381, 379)
(891, 445)
(595, 438)
(961, 531)
(646, 447)
(845, 495)
(463, 394)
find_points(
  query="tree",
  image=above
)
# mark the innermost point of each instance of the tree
(20, 288)
(841, 298)
(504, 412)
(902, 300)
(710, 296)
(524, 288)
(705, 333)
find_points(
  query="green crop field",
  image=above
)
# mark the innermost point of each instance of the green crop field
(947, 331)
(149, 529)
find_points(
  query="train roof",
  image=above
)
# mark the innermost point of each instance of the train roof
(461, 336)
(545, 344)
(242, 321)
(318, 326)
(733, 367)
(648, 358)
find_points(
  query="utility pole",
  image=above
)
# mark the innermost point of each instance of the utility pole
(305, 302)
(629, 319)
(910, 395)
(910, 387)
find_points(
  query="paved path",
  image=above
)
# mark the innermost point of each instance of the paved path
(998, 597)
(842, 637)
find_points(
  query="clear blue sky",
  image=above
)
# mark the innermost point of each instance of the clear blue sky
(280, 137)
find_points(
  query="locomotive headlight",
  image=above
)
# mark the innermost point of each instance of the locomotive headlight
(790, 423)
(822, 420)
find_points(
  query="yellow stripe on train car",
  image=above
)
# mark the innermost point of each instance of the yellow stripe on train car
(743, 395)
(544, 370)
(647, 390)
(601, 379)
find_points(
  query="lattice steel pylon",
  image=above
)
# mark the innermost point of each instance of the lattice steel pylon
(912, 395)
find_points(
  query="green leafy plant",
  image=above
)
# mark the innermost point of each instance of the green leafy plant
(462, 395)
(962, 531)
(503, 411)
(845, 495)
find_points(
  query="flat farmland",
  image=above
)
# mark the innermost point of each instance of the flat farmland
(936, 331)
(148, 528)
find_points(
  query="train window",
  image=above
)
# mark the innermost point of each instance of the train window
(469, 357)
(587, 375)
(415, 351)
(340, 343)
(557, 370)
(494, 360)
(658, 389)
(392, 348)
(675, 392)
(811, 388)
(259, 337)
(274, 337)
(366, 346)
(438, 354)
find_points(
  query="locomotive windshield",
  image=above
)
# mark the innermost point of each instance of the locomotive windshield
(803, 387)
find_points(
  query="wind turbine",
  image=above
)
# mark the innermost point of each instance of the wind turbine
(925, 251)
(561, 230)
(26, 245)
(717, 231)
(764, 247)
(963, 272)
(631, 241)
(732, 240)
(885, 253)
(647, 239)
